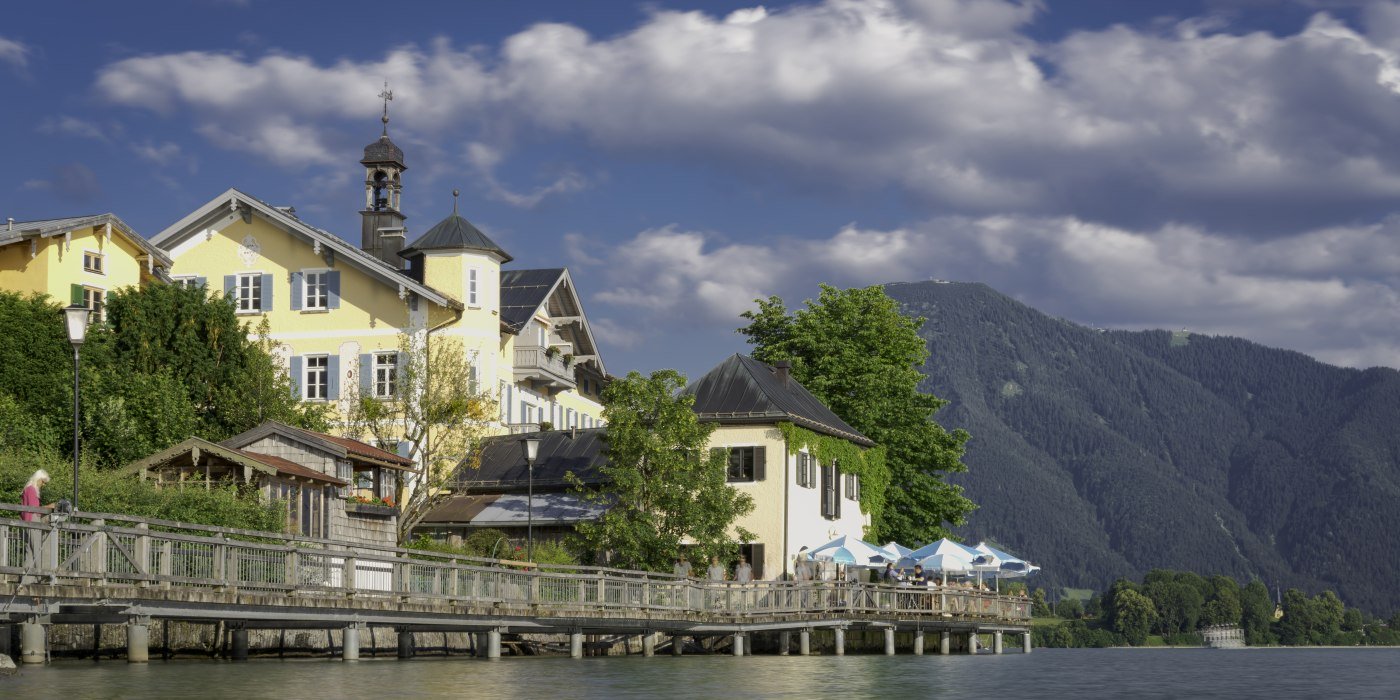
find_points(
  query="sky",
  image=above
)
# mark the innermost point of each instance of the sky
(1227, 166)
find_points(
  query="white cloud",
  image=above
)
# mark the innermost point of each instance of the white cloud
(483, 158)
(14, 53)
(72, 126)
(1333, 292)
(160, 154)
(948, 99)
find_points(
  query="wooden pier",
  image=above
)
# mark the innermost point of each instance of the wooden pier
(115, 569)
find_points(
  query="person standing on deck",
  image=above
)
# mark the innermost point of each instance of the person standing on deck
(716, 571)
(802, 569)
(33, 542)
(743, 573)
(682, 569)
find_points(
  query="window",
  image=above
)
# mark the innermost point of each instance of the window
(386, 366)
(851, 486)
(368, 482)
(95, 299)
(250, 292)
(474, 379)
(806, 470)
(831, 492)
(472, 296)
(542, 334)
(92, 262)
(315, 296)
(746, 464)
(188, 282)
(317, 377)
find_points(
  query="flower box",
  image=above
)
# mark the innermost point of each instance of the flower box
(373, 509)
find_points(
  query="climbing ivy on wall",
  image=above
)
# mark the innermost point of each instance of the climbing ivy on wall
(867, 464)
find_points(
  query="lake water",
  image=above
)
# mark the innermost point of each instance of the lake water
(1046, 673)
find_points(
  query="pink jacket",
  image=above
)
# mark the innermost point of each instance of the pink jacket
(30, 497)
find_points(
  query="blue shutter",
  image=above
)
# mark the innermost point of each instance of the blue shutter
(266, 293)
(296, 291)
(201, 282)
(333, 377)
(405, 448)
(296, 376)
(230, 284)
(333, 290)
(366, 375)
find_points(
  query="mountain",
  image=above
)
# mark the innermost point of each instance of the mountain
(1102, 454)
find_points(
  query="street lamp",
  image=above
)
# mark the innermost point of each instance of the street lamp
(532, 450)
(76, 318)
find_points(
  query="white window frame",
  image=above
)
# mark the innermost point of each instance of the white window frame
(309, 371)
(474, 287)
(186, 281)
(95, 299)
(324, 283)
(542, 333)
(100, 268)
(386, 380)
(254, 292)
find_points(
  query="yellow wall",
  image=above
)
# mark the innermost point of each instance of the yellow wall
(57, 264)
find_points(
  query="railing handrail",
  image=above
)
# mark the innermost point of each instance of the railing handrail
(207, 557)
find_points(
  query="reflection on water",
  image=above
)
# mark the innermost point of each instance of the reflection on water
(1047, 673)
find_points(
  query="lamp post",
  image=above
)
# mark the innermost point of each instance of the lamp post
(532, 450)
(76, 319)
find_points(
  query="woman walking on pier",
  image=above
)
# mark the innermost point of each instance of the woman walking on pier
(30, 497)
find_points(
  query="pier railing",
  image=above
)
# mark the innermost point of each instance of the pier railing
(93, 549)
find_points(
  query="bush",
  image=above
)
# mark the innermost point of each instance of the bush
(112, 492)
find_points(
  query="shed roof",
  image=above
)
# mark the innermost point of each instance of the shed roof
(265, 464)
(744, 390)
(515, 510)
(334, 444)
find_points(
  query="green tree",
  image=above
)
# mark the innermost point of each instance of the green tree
(1299, 619)
(1039, 607)
(662, 485)
(1133, 616)
(1069, 608)
(1223, 607)
(855, 351)
(430, 409)
(1177, 600)
(1257, 614)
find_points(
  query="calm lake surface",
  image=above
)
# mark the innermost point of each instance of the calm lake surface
(1046, 673)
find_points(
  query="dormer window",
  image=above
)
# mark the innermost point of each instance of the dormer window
(92, 262)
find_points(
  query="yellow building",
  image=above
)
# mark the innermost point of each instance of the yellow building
(336, 311)
(77, 260)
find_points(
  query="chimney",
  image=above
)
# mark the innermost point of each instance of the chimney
(390, 243)
(11, 223)
(782, 368)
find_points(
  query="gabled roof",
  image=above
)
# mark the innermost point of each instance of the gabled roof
(744, 390)
(523, 292)
(335, 445)
(455, 233)
(503, 466)
(265, 464)
(232, 198)
(48, 228)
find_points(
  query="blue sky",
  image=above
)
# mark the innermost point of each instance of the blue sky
(1231, 166)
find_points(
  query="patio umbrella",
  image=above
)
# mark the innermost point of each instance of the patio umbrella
(1004, 565)
(851, 550)
(943, 546)
(898, 549)
(945, 564)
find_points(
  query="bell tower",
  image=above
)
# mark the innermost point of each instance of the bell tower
(382, 224)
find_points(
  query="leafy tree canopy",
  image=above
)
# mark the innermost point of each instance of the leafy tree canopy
(663, 487)
(854, 350)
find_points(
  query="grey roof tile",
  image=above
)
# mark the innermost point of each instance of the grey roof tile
(455, 233)
(744, 390)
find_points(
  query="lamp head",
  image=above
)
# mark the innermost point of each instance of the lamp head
(76, 318)
(532, 448)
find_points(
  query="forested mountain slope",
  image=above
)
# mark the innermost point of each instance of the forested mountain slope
(1105, 454)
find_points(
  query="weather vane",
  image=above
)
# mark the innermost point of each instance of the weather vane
(387, 95)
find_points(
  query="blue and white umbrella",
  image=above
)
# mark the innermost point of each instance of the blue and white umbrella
(1006, 565)
(851, 551)
(943, 546)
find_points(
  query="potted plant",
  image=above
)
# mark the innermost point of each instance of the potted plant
(550, 352)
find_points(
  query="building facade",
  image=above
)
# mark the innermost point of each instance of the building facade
(798, 500)
(337, 312)
(77, 260)
(331, 487)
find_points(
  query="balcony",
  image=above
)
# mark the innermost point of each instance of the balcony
(545, 369)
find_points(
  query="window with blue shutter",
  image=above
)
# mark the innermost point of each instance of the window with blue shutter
(366, 375)
(296, 376)
(296, 291)
(230, 285)
(333, 377)
(266, 293)
(333, 287)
